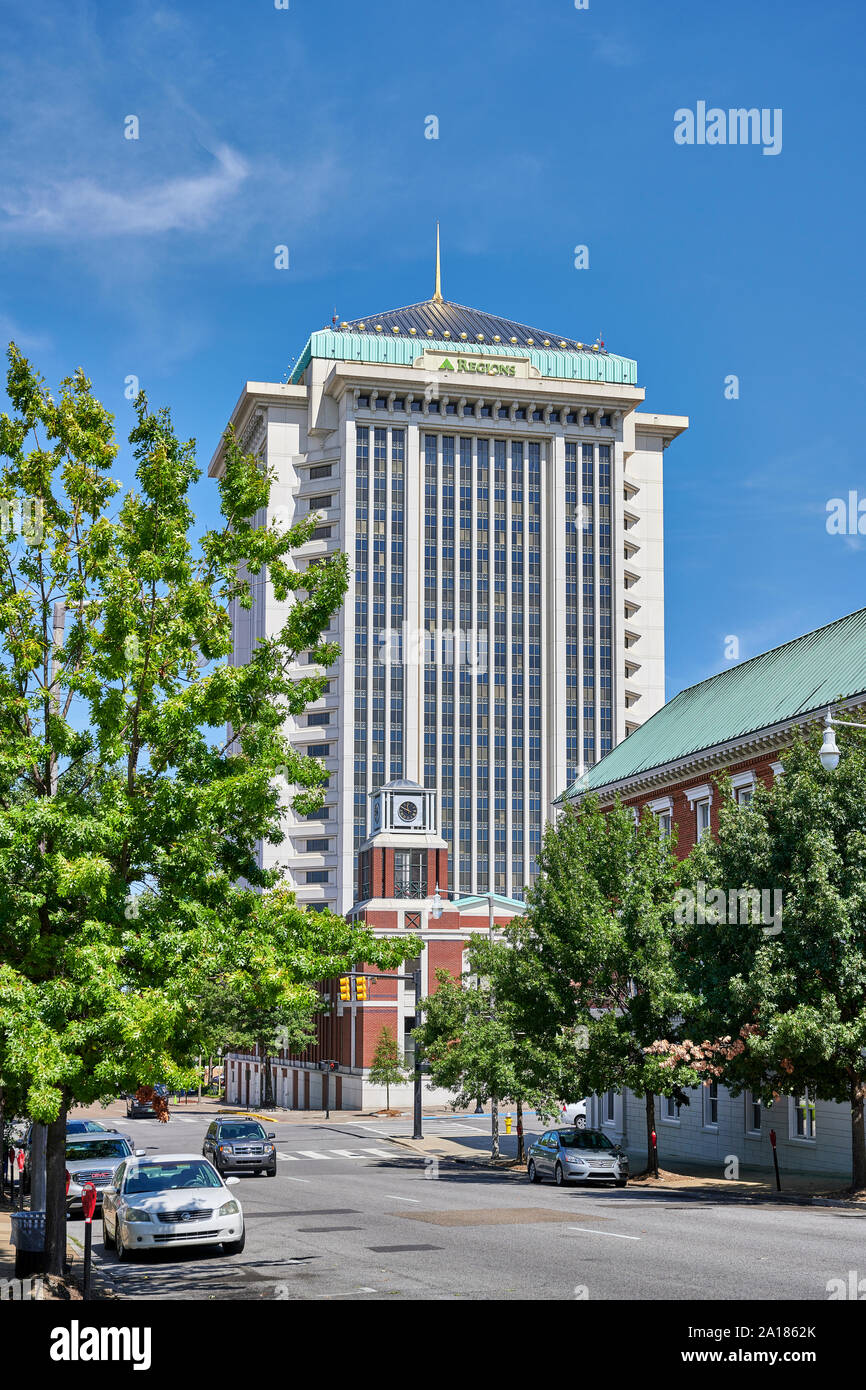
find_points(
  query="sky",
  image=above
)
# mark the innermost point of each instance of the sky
(306, 126)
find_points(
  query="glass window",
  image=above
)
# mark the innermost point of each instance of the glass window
(364, 402)
(247, 1130)
(82, 1152)
(321, 470)
(804, 1116)
(319, 846)
(702, 811)
(168, 1176)
(318, 876)
(583, 1139)
(711, 1105)
(753, 1114)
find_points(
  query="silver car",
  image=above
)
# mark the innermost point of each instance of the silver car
(93, 1158)
(577, 1155)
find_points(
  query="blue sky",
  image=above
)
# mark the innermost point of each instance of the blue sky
(305, 127)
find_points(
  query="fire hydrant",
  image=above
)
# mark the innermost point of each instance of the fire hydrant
(507, 1124)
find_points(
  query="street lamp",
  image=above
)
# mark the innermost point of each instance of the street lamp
(829, 753)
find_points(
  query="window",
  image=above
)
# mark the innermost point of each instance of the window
(318, 846)
(711, 1105)
(538, 414)
(320, 504)
(323, 813)
(381, 403)
(520, 413)
(502, 412)
(364, 402)
(669, 1111)
(321, 533)
(803, 1116)
(605, 422)
(417, 405)
(609, 1109)
(753, 1114)
(321, 470)
(319, 718)
(702, 811)
(319, 750)
(399, 403)
(469, 410)
(665, 822)
(554, 417)
(318, 876)
(571, 417)
(486, 412)
(433, 408)
(744, 795)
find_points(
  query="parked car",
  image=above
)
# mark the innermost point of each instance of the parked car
(143, 1109)
(577, 1155)
(168, 1200)
(86, 1127)
(93, 1158)
(73, 1128)
(242, 1145)
(573, 1112)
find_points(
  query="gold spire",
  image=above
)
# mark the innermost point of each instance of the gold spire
(437, 293)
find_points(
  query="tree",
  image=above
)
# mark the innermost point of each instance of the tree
(471, 1042)
(129, 824)
(386, 1068)
(786, 977)
(593, 974)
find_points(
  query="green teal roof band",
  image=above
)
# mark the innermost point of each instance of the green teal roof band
(798, 678)
(565, 365)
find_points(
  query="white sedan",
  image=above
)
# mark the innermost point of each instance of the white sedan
(170, 1200)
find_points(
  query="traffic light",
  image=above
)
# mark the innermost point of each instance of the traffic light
(360, 987)
(345, 988)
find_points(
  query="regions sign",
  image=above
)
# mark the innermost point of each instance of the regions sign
(477, 364)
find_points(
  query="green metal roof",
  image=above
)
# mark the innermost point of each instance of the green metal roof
(798, 678)
(378, 342)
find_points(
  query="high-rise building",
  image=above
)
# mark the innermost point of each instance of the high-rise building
(499, 494)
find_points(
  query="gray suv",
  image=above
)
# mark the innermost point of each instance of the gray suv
(94, 1158)
(240, 1146)
(577, 1155)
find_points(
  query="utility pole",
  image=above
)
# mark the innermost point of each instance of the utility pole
(494, 1102)
(416, 1108)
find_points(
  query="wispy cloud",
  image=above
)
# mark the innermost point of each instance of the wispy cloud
(618, 53)
(82, 207)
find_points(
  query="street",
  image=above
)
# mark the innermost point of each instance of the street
(352, 1214)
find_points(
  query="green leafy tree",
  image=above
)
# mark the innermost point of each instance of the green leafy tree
(789, 987)
(128, 822)
(386, 1068)
(471, 1040)
(593, 978)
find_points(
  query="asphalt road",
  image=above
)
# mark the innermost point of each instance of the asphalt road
(353, 1215)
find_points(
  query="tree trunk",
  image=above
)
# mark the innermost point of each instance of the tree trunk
(521, 1152)
(387, 1096)
(858, 1135)
(55, 1194)
(494, 1127)
(650, 1127)
(2, 1142)
(266, 1096)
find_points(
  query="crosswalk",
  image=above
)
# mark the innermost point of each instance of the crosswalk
(327, 1154)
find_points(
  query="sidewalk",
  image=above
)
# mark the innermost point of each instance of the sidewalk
(690, 1180)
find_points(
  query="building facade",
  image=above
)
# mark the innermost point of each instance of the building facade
(499, 493)
(402, 890)
(735, 724)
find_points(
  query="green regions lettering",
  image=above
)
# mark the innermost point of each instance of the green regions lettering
(464, 364)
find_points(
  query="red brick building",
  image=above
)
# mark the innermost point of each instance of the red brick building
(402, 889)
(738, 723)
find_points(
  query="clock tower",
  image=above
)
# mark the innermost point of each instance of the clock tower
(403, 856)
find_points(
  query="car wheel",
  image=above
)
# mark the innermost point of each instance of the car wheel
(123, 1252)
(272, 1172)
(621, 1182)
(234, 1247)
(107, 1240)
(580, 1122)
(532, 1172)
(559, 1175)
(258, 1172)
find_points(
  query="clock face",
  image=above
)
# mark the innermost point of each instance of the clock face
(377, 813)
(407, 811)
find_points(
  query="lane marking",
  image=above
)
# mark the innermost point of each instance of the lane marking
(289, 1178)
(289, 1158)
(613, 1234)
(313, 1153)
(392, 1197)
(346, 1153)
(380, 1153)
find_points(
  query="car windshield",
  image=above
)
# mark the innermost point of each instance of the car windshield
(583, 1139)
(84, 1127)
(89, 1149)
(165, 1177)
(247, 1131)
